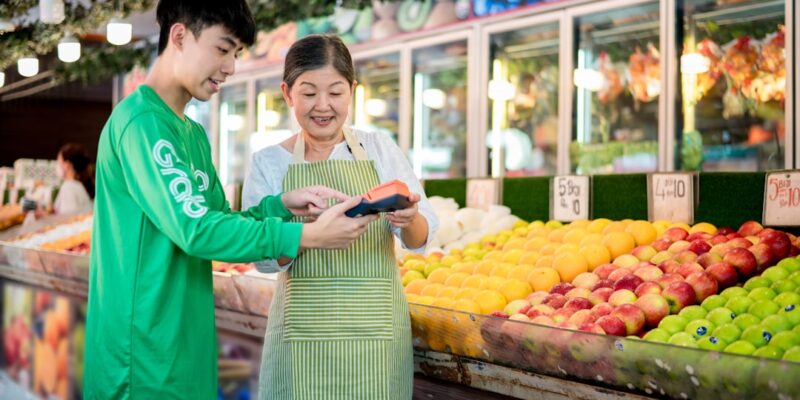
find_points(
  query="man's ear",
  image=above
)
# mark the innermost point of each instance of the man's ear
(287, 97)
(177, 34)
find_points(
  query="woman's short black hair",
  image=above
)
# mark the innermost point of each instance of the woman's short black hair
(233, 15)
(315, 52)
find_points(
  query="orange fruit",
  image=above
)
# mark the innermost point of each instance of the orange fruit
(467, 305)
(566, 248)
(473, 281)
(591, 238)
(493, 255)
(544, 261)
(519, 272)
(431, 289)
(642, 231)
(492, 282)
(512, 256)
(439, 275)
(615, 226)
(465, 267)
(415, 287)
(549, 249)
(703, 227)
(490, 301)
(595, 255)
(515, 290)
(447, 291)
(529, 257)
(575, 235)
(514, 243)
(543, 278)
(411, 297)
(619, 243)
(569, 265)
(535, 244)
(597, 225)
(455, 279)
(466, 293)
(557, 235)
(484, 267)
(501, 270)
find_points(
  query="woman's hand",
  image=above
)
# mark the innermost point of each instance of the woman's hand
(310, 201)
(403, 218)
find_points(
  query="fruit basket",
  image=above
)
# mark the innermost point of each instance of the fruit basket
(622, 363)
(225, 293)
(256, 291)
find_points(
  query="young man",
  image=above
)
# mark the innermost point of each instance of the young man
(160, 215)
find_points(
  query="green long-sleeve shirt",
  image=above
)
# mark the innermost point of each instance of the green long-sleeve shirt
(160, 215)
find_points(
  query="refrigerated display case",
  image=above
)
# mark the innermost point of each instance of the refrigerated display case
(233, 137)
(733, 85)
(376, 101)
(274, 120)
(523, 79)
(617, 90)
(439, 109)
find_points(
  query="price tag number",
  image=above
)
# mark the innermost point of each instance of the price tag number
(670, 188)
(567, 188)
(781, 192)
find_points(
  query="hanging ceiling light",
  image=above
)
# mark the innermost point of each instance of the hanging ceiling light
(694, 63)
(69, 49)
(28, 66)
(118, 32)
(6, 25)
(51, 11)
(2, 78)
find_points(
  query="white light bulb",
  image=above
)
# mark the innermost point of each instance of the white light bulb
(118, 32)
(272, 118)
(69, 49)
(51, 11)
(28, 66)
(2, 79)
(588, 79)
(501, 90)
(434, 98)
(375, 107)
(694, 63)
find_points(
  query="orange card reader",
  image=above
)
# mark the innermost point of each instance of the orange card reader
(386, 197)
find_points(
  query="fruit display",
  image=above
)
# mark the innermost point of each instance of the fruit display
(51, 348)
(73, 236)
(17, 344)
(644, 74)
(11, 215)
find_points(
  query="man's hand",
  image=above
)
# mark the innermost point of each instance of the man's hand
(333, 229)
(310, 201)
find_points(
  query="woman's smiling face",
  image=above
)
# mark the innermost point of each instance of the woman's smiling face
(321, 101)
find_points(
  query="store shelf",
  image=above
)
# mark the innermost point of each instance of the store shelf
(45, 281)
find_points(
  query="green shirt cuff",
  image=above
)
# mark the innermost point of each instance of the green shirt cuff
(290, 239)
(273, 207)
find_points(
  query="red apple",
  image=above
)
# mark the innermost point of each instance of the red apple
(669, 266)
(724, 274)
(604, 270)
(668, 278)
(499, 314)
(661, 244)
(543, 320)
(750, 228)
(626, 261)
(555, 300)
(561, 288)
(601, 309)
(632, 316)
(733, 235)
(661, 256)
(675, 233)
(601, 295)
(592, 327)
(619, 273)
(720, 249)
(739, 242)
(685, 256)
(578, 292)
(764, 256)
(511, 330)
(603, 283)
(679, 246)
(647, 288)
(561, 315)
(718, 239)
(679, 295)
(707, 259)
(689, 268)
(725, 230)
(704, 285)
(699, 246)
(539, 310)
(612, 325)
(622, 296)
(582, 317)
(629, 282)
(585, 280)
(649, 273)
(794, 251)
(743, 260)
(578, 303)
(566, 325)
(519, 306)
(698, 236)
(766, 232)
(655, 308)
(779, 243)
(537, 297)
(644, 252)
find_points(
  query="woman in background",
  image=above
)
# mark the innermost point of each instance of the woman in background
(77, 191)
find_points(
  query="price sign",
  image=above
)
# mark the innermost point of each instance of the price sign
(670, 197)
(569, 198)
(482, 193)
(782, 199)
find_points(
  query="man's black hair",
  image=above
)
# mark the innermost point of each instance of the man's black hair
(233, 15)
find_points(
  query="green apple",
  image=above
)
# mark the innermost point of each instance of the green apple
(792, 354)
(720, 316)
(699, 328)
(794, 277)
(673, 324)
(763, 308)
(756, 282)
(790, 264)
(784, 299)
(432, 267)
(775, 274)
(733, 291)
(792, 313)
(785, 340)
(796, 329)
(776, 323)
(784, 286)
(727, 332)
(682, 339)
(412, 276)
(739, 305)
(692, 313)
(757, 335)
(657, 335)
(762, 293)
(740, 347)
(744, 321)
(712, 343)
(768, 352)
(713, 301)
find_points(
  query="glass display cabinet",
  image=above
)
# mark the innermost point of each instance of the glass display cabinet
(376, 101)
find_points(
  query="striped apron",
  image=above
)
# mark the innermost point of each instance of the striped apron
(339, 327)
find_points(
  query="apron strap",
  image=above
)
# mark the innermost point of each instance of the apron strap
(299, 153)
